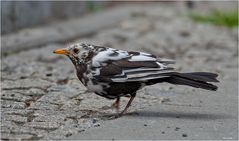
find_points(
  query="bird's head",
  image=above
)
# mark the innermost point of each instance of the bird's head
(76, 52)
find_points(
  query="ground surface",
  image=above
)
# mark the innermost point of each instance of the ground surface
(41, 97)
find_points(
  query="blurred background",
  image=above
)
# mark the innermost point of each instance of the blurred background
(21, 14)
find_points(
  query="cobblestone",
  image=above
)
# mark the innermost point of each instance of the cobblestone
(43, 106)
(49, 126)
(10, 111)
(9, 95)
(24, 84)
(34, 92)
(15, 118)
(13, 104)
(8, 124)
(9, 136)
(24, 130)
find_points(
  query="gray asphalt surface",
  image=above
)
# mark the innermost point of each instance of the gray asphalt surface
(199, 115)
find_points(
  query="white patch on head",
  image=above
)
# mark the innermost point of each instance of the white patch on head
(83, 50)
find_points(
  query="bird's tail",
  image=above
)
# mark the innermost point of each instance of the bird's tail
(194, 79)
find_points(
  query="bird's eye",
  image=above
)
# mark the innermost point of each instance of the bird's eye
(76, 50)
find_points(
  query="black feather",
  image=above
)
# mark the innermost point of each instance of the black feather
(195, 79)
(201, 76)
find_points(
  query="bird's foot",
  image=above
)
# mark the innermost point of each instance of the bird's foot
(116, 104)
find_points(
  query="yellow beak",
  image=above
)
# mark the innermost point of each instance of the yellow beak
(61, 51)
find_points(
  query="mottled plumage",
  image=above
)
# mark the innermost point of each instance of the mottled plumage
(113, 73)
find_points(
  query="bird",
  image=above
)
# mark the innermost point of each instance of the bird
(114, 73)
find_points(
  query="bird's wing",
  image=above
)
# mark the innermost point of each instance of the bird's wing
(122, 66)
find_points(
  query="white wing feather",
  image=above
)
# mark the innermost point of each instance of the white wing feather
(133, 74)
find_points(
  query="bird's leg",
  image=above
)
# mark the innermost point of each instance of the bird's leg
(116, 104)
(128, 104)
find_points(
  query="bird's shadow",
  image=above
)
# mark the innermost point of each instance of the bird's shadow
(172, 115)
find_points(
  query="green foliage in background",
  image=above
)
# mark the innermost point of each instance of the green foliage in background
(93, 6)
(228, 19)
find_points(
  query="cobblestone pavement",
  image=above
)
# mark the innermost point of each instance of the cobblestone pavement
(41, 97)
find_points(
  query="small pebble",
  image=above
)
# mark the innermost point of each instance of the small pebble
(23, 77)
(184, 135)
(49, 74)
(96, 125)
(170, 88)
(163, 132)
(163, 100)
(94, 120)
(177, 128)
(145, 125)
(68, 134)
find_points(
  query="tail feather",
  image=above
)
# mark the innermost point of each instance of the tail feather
(196, 79)
(200, 76)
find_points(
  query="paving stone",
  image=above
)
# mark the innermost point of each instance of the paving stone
(24, 130)
(74, 105)
(35, 92)
(31, 92)
(12, 104)
(43, 125)
(72, 90)
(10, 111)
(71, 128)
(10, 136)
(43, 106)
(57, 98)
(8, 124)
(8, 95)
(59, 116)
(63, 133)
(51, 118)
(14, 118)
(26, 84)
